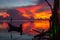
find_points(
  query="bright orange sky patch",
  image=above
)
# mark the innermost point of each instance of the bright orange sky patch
(36, 15)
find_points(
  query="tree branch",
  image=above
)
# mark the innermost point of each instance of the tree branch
(49, 5)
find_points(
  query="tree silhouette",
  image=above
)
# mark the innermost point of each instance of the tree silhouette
(40, 35)
(54, 21)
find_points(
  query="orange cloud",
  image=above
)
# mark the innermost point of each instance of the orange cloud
(26, 15)
(43, 15)
(4, 14)
(31, 9)
(35, 8)
(23, 11)
(36, 15)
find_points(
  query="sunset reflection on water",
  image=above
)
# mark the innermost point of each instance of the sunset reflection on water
(28, 26)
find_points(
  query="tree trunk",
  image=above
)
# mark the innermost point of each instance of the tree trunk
(55, 21)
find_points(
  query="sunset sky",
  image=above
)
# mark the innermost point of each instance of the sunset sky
(27, 9)
(36, 11)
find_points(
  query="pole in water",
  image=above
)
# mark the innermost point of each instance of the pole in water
(11, 35)
(11, 31)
